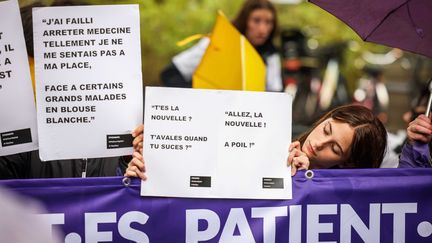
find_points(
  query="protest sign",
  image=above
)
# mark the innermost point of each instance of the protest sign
(217, 144)
(88, 80)
(341, 205)
(17, 106)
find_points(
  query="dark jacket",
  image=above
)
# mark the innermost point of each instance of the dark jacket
(29, 165)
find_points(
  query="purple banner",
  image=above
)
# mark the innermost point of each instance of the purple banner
(369, 205)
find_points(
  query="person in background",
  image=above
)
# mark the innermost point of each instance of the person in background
(416, 151)
(257, 20)
(346, 137)
(397, 141)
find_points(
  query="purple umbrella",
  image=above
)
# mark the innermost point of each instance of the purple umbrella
(404, 24)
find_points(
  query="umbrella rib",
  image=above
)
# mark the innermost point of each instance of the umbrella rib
(382, 21)
(419, 30)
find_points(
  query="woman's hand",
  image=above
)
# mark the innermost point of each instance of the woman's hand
(297, 159)
(137, 143)
(136, 167)
(420, 129)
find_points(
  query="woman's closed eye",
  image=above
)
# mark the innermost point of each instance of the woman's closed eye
(327, 129)
(336, 149)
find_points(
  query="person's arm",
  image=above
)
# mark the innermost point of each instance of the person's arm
(171, 77)
(415, 152)
(415, 155)
(179, 72)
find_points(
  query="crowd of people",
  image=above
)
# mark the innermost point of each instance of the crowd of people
(349, 136)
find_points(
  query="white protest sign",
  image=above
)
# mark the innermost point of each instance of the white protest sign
(217, 144)
(17, 106)
(88, 80)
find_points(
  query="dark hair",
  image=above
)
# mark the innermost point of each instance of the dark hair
(370, 136)
(240, 21)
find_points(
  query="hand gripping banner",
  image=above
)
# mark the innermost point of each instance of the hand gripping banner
(368, 205)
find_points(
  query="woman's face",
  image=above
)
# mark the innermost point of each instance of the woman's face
(259, 26)
(328, 144)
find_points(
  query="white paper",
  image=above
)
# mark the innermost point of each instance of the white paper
(217, 144)
(88, 80)
(17, 106)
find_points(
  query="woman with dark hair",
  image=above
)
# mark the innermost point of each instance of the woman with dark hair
(347, 137)
(257, 20)
(255, 13)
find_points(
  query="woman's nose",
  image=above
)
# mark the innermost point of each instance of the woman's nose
(320, 144)
(263, 27)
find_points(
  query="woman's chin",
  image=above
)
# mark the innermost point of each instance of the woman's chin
(258, 42)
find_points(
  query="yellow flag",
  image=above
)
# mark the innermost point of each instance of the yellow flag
(230, 61)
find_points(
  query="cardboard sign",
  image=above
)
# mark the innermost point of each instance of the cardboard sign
(88, 80)
(217, 144)
(17, 106)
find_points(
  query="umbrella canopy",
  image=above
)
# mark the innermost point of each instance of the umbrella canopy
(404, 24)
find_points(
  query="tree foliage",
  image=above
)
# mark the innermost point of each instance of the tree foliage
(165, 22)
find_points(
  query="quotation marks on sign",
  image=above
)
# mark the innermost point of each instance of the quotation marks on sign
(68, 21)
(175, 142)
(169, 108)
(61, 49)
(77, 119)
(239, 144)
(244, 119)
